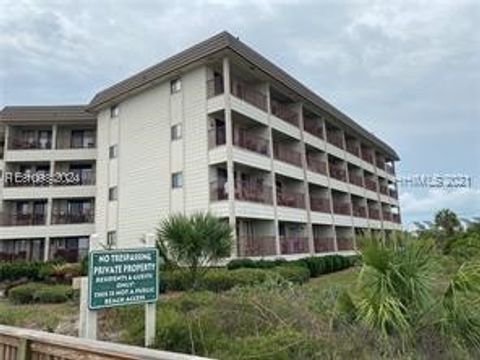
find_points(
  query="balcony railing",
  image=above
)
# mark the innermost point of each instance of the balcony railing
(244, 191)
(22, 144)
(214, 87)
(253, 191)
(383, 189)
(250, 95)
(373, 214)
(22, 219)
(380, 163)
(323, 244)
(72, 218)
(341, 207)
(396, 218)
(316, 165)
(344, 243)
(387, 215)
(291, 199)
(371, 184)
(367, 156)
(313, 126)
(335, 139)
(257, 246)
(353, 148)
(389, 168)
(338, 172)
(216, 137)
(321, 204)
(355, 179)
(293, 245)
(359, 211)
(248, 140)
(393, 193)
(283, 112)
(288, 155)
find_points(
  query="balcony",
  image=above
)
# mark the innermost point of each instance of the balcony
(62, 218)
(316, 165)
(355, 179)
(396, 218)
(393, 193)
(323, 244)
(291, 199)
(215, 87)
(387, 215)
(20, 143)
(249, 94)
(283, 112)
(344, 243)
(373, 214)
(353, 148)
(371, 184)
(22, 219)
(335, 138)
(244, 191)
(359, 211)
(257, 246)
(253, 191)
(293, 245)
(286, 154)
(380, 163)
(341, 207)
(321, 204)
(68, 138)
(26, 250)
(338, 172)
(248, 140)
(383, 189)
(389, 169)
(367, 156)
(313, 126)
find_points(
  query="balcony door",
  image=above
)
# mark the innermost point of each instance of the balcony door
(44, 137)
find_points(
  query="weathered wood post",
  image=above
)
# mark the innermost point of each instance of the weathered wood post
(150, 308)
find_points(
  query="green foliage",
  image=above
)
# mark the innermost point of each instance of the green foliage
(447, 222)
(40, 293)
(292, 273)
(31, 270)
(255, 264)
(194, 242)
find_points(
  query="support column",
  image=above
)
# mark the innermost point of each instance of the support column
(311, 245)
(229, 147)
(46, 248)
(334, 232)
(272, 172)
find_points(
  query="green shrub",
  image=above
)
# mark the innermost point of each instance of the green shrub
(41, 293)
(255, 264)
(293, 273)
(23, 294)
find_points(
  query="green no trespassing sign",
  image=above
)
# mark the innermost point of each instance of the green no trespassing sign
(122, 277)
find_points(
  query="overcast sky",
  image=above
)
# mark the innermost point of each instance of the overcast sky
(409, 71)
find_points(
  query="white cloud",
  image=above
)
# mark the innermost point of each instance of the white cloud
(423, 206)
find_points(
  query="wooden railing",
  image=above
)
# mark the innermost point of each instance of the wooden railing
(24, 344)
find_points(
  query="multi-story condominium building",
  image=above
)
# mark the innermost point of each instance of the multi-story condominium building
(214, 128)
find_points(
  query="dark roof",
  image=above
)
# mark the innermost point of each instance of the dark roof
(219, 42)
(46, 113)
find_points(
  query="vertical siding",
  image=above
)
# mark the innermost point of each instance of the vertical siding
(196, 146)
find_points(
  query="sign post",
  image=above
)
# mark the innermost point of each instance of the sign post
(121, 277)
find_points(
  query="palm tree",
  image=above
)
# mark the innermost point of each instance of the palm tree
(194, 242)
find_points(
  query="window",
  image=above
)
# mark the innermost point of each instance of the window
(113, 151)
(176, 132)
(177, 180)
(114, 111)
(175, 86)
(113, 193)
(111, 238)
